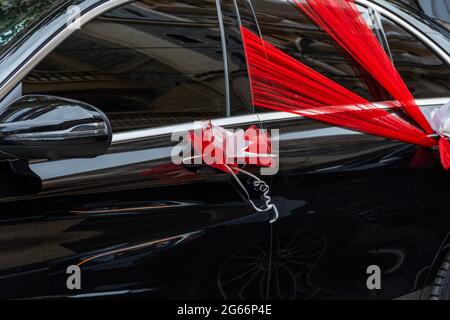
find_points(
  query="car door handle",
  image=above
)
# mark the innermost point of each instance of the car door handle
(199, 168)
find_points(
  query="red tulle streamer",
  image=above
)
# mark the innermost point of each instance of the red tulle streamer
(282, 83)
(345, 24)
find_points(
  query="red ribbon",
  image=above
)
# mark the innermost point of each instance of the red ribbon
(224, 150)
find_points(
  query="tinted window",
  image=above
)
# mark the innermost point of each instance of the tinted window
(425, 74)
(146, 64)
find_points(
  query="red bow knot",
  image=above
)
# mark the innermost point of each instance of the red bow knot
(224, 149)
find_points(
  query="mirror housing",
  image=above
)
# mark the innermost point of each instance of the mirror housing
(47, 127)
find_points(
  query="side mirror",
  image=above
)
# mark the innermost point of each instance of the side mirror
(46, 127)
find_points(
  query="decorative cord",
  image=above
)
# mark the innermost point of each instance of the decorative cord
(258, 185)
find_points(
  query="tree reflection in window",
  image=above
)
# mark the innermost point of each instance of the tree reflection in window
(16, 15)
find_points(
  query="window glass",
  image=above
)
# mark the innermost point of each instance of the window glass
(146, 64)
(425, 74)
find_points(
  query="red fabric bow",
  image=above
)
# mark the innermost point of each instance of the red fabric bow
(223, 149)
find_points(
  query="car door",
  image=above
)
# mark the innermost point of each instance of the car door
(349, 201)
(131, 220)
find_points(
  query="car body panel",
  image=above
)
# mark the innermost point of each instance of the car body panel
(137, 224)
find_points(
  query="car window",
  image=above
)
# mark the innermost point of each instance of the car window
(426, 75)
(146, 64)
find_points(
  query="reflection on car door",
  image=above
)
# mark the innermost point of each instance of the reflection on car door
(132, 220)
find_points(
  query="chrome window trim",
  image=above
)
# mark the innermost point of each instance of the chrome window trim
(128, 136)
(277, 116)
(183, 127)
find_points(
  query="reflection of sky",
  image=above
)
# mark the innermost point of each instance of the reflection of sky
(62, 168)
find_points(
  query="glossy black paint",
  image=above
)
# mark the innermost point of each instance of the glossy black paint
(138, 225)
(353, 201)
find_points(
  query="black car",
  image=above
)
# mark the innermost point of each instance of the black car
(123, 76)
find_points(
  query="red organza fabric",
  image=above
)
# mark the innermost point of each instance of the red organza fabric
(344, 23)
(282, 83)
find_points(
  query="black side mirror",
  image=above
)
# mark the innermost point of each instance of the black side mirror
(46, 127)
